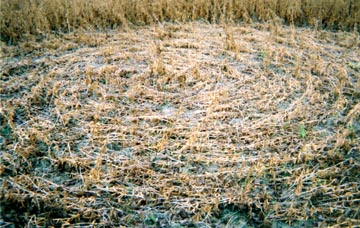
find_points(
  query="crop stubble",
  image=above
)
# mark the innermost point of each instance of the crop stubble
(182, 124)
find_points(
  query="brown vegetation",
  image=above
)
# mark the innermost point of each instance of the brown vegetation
(22, 17)
(181, 124)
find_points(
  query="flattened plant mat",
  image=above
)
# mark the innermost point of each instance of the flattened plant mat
(181, 125)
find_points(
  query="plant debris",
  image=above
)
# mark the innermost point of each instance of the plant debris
(180, 125)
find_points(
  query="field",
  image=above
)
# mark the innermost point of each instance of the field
(180, 123)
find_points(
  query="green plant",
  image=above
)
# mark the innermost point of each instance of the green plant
(302, 131)
(150, 219)
(262, 54)
(355, 66)
(5, 131)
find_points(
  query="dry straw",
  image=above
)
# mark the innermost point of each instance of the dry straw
(179, 124)
(20, 18)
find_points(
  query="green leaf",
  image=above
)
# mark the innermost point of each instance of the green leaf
(5, 131)
(262, 54)
(302, 131)
(151, 219)
(354, 65)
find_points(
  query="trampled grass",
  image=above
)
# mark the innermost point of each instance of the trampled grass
(181, 124)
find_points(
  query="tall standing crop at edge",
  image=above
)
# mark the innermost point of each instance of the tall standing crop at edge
(18, 18)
